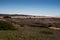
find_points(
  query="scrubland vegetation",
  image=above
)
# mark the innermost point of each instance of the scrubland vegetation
(5, 25)
(28, 29)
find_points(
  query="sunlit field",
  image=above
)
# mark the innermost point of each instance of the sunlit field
(15, 29)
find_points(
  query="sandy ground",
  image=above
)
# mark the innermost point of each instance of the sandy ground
(54, 28)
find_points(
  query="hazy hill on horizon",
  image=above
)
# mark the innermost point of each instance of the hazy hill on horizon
(29, 15)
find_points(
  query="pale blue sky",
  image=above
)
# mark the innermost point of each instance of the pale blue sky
(30, 7)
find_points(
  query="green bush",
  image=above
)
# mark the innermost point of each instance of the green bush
(4, 25)
(46, 32)
(51, 24)
(43, 25)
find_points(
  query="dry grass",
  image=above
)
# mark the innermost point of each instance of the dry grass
(28, 32)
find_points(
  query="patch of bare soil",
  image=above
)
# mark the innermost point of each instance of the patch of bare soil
(55, 28)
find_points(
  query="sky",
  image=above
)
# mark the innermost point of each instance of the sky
(30, 7)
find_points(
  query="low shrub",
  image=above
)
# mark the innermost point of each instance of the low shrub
(46, 32)
(4, 25)
(38, 25)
